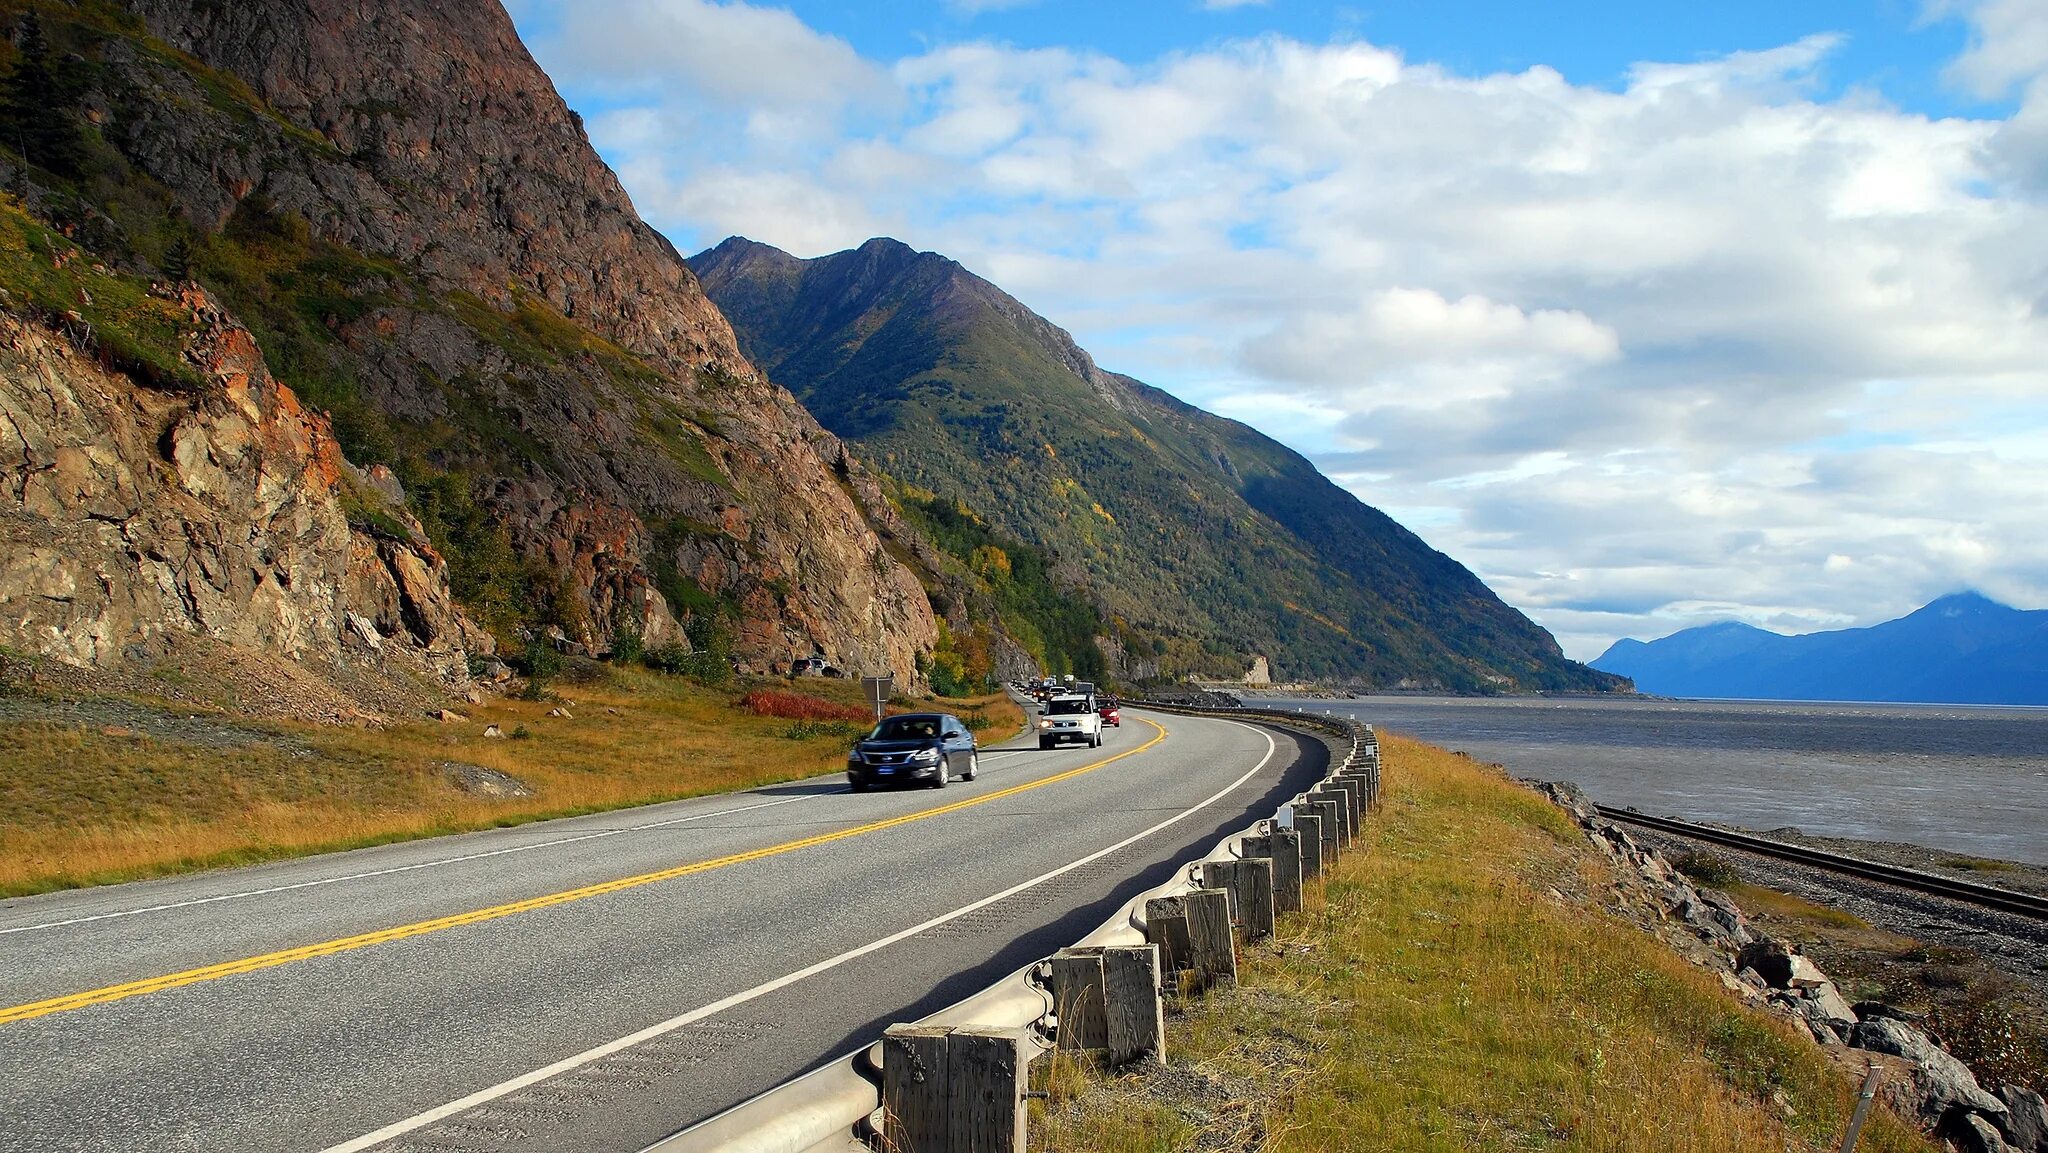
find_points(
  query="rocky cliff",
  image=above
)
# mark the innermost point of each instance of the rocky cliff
(134, 514)
(422, 243)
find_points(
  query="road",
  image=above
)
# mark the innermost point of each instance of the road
(592, 983)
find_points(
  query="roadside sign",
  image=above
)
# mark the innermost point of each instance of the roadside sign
(879, 690)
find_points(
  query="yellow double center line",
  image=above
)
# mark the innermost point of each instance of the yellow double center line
(421, 928)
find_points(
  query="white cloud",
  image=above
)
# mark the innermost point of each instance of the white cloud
(1707, 345)
(2008, 43)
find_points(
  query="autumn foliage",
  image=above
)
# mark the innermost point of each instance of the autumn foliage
(800, 707)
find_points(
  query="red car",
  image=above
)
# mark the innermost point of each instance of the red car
(1110, 716)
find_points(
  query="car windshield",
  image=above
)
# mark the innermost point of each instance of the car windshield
(905, 729)
(1076, 705)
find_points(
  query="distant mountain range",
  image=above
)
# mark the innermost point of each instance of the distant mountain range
(1201, 540)
(1963, 649)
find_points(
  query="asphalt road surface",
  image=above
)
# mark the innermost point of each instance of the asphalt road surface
(594, 983)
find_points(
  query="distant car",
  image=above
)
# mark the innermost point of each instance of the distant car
(1069, 718)
(1110, 716)
(814, 667)
(913, 749)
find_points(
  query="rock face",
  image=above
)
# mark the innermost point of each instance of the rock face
(397, 202)
(131, 513)
(2026, 1119)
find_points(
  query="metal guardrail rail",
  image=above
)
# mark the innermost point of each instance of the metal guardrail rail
(1988, 896)
(833, 1109)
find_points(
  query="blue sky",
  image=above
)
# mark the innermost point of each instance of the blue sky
(1651, 315)
(1896, 48)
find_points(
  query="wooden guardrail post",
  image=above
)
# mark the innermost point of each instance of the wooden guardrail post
(1283, 848)
(987, 1068)
(1324, 794)
(1077, 996)
(1308, 827)
(915, 1089)
(1135, 1021)
(1166, 926)
(1249, 881)
(1327, 811)
(1214, 947)
(1354, 795)
(953, 1090)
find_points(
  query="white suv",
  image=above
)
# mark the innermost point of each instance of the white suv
(1069, 718)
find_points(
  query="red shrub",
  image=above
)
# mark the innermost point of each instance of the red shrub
(800, 707)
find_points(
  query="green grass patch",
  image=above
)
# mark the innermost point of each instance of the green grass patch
(118, 317)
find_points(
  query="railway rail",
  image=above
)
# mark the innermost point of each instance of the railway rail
(1987, 896)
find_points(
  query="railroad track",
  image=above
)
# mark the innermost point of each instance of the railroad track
(1988, 896)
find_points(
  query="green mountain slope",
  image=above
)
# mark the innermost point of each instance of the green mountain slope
(1205, 541)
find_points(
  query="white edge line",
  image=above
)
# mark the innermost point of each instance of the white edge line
(398, 868)
(482, 1096)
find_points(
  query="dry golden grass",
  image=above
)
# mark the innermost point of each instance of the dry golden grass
(90, 804)
(1756, 899)
(1438, 996)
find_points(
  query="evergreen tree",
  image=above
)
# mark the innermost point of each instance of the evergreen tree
(34, 105)
(177, 262)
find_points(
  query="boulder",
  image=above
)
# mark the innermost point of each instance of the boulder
(1825, 1003)
(1940, 1082)
(1971, 1133)
(447, 716)
(1823, 1034)
(1770, 959)
(2026, 1119)
(1865, 1010)
(1571, 798)
(562, 713)
(494, 732)
(1722, 927)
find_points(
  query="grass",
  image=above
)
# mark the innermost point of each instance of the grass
(131, 329)
(1979, 864)
(1756, 899)
(1442, 993)
(85, 804)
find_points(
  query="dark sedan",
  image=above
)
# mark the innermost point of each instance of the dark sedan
(913, 749)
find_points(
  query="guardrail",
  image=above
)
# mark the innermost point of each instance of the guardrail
(928, 1083)
(1989, 896)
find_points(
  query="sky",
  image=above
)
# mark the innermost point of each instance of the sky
(1653, 315)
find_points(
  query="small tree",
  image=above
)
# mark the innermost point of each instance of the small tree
(35, 103)
(177, 262)
(629, 641)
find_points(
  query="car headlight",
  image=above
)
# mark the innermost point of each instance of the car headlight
(925, 755)
(853, 758)
(1044, 724)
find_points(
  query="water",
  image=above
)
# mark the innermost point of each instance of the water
(1968, 779)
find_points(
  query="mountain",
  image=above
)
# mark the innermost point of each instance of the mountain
(1202, 541)
(1963, 649)
(398, 211)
